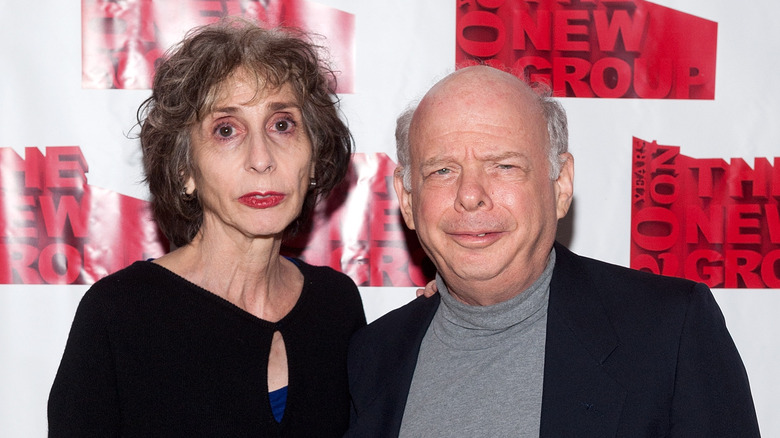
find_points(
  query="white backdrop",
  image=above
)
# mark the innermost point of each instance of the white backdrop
(402, 47)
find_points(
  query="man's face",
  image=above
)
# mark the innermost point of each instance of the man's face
(481, 200)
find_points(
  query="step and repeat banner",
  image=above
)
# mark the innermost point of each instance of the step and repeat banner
(672, 114)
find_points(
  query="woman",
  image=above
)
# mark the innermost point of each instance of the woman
(240, 137)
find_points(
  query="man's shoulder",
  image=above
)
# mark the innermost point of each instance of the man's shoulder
(604, 274)
(625, 296)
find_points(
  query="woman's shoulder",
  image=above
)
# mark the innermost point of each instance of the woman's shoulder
(129, 283)
(112, 294)
(329, 286)
(139, 273)
(324, 275)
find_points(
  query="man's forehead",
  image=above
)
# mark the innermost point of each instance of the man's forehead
(478, 137)
(433, 158)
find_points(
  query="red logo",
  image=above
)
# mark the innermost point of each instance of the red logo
(56, 229)
(121, 41)
(593, 48)
(705, 219)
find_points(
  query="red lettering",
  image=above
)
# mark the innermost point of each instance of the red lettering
(538, 63)
(386, 225)
(655, 82)
(481, 23)
(740, 174)
(632, 29)
(664, 158)
(10, 162)
(571, 72)
(537, 31)
(655, 228)
(736, 222)
(31, 167)
(621, 76)
(59, 264)
(18, 259)
(69, 209)
(736, 270)
(564, 29)
(663, 189)
(770, 269)
(690, 74)
(709, 222)
(772, 215)
(18, 220)
(705, 170)
(389, 266)
(66, 167)
(711, 275)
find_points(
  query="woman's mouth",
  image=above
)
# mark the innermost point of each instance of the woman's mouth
(261, 200)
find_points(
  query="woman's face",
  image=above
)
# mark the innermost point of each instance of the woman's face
(253, 160)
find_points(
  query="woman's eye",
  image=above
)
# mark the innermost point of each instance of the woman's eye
(225, 131)
(284, 125)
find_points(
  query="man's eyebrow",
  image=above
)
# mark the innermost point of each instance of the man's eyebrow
(435, 161)
(440, 160)
(505, 155)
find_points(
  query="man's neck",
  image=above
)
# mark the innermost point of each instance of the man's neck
(488, 293)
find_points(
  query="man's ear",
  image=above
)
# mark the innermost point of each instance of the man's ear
(404, 197)
(564, 185)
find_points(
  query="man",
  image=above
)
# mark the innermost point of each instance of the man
(526, 338)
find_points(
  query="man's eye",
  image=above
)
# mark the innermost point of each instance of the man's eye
(506, 166)
(442, 171)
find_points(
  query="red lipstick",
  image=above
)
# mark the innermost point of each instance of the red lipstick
(261, 200)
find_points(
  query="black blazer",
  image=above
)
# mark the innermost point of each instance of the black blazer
(628, 354)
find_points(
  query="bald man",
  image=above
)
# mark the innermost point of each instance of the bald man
(525, 338)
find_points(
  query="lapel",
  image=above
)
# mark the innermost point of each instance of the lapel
(579, 398)
(381, 413)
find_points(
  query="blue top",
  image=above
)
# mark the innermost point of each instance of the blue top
(278, 399)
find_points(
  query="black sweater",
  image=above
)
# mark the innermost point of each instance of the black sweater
(153, 355)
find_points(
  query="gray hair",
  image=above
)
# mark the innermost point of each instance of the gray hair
(557, 131)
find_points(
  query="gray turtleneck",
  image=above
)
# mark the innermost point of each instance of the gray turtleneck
(480, 368)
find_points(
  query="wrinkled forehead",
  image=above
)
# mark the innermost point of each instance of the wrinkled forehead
(479, 109)
(256, 83)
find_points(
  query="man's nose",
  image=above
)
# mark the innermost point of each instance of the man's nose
(473, 191)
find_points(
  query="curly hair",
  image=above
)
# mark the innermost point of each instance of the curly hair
(185, 87)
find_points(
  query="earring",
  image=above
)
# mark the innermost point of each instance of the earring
(312, 183)
(187, 196)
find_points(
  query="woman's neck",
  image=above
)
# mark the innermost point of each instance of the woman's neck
(249, 273)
